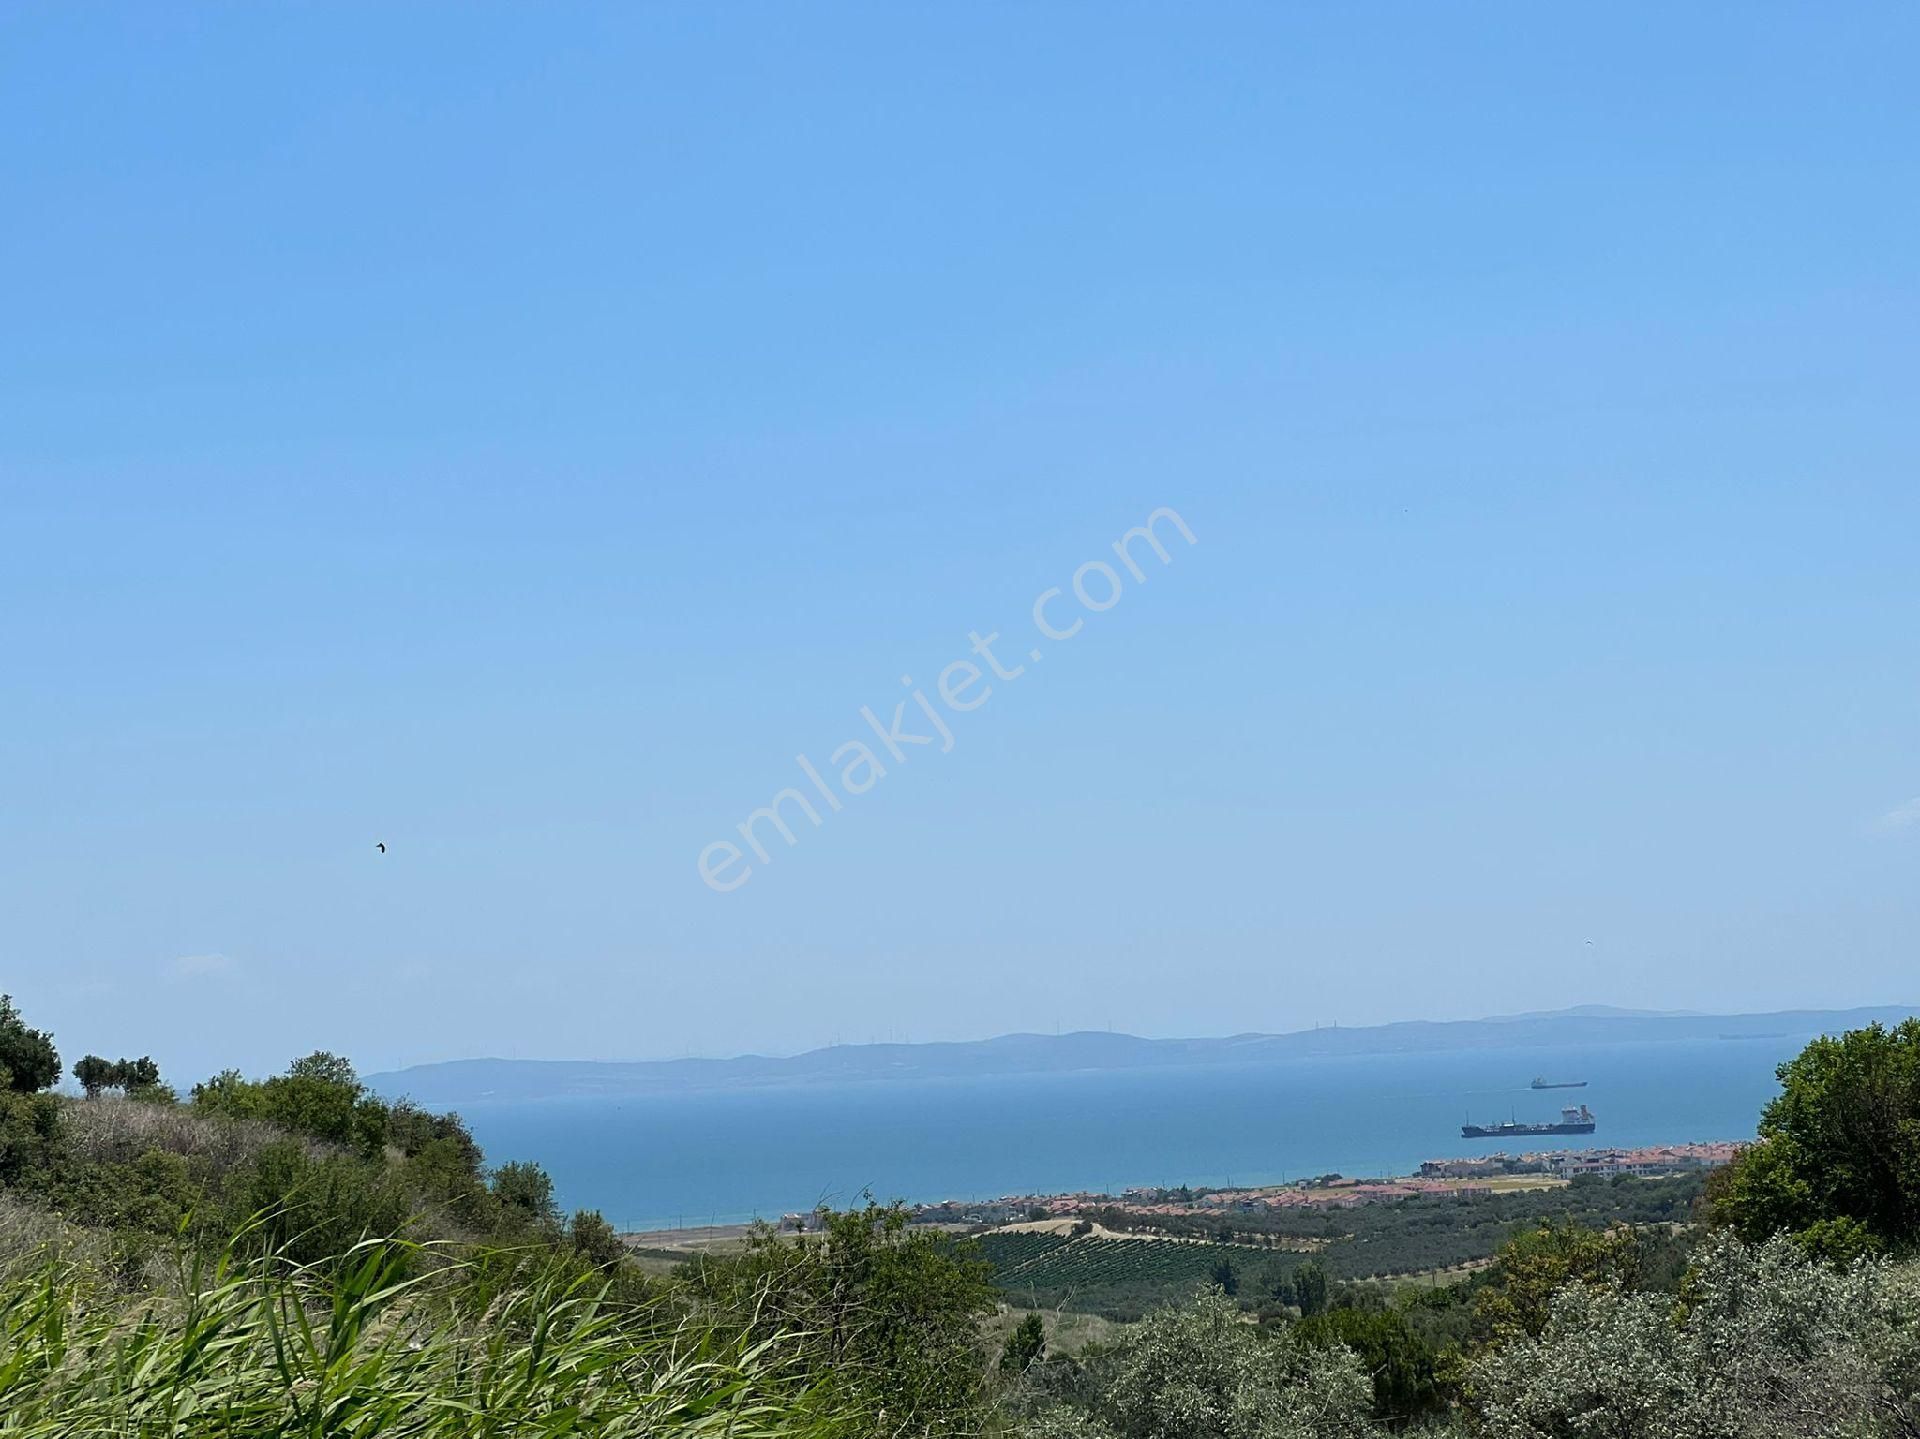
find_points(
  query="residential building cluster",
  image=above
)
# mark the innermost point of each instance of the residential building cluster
(1651, 1160)
(1438, 1178)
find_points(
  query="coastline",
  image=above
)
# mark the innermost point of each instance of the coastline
(1461, 1179)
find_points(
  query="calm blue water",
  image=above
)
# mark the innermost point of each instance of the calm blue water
(725, 1157)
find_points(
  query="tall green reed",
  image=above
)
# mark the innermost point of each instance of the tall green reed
(377, 1342)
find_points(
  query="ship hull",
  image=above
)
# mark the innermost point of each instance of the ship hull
(1520, 1131)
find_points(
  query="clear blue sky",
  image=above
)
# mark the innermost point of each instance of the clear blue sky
(514, 433)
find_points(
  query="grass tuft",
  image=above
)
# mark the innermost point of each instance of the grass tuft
(375, 1343)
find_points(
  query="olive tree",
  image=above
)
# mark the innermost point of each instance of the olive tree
(1764, 1343)
(1201, 1371)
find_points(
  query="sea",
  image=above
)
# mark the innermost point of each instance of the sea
(729, 1156)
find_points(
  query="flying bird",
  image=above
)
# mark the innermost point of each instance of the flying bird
(381, 847)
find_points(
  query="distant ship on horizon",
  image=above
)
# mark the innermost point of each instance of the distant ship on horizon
(1540, 1083)
(1574, 1119)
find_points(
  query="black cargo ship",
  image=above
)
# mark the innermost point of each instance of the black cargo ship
(1559, 1083)
(1573, 1120)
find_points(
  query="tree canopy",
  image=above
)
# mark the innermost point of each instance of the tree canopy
(97, 1075)
(28, 1060)
(1201, 1372)
(890, 1311)
(1838, 1162)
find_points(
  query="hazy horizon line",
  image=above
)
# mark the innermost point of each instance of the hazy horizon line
(1574, 1011)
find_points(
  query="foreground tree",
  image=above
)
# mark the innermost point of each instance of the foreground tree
(525, 1193)
(1411, 1378)
(28, 1060)
(1203, 1372)
(1766, 1342)
(889, 1311)
(1838, 1162)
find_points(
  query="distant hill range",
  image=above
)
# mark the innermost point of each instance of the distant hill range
(462, 1081)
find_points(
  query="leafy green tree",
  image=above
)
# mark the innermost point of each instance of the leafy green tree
(442, 1164)
(1410, 1377)
(141, 1073)
(594, 1240)
(1535, 1266)
(230, 1093)
(1839, 1241)
(441, 1183)
(889, 1311)
(151, 1195)
(29, 1138)
(1273, 1282)
(319, 1096)
(313, 1207)
(321, 1067)
(28, 1060)
(525, 1192)
(411, 1129)
(1841, 1142)
(96, 1075)
(1202, 1372)
(1310, 1289)
(1224, 1277)
(1025, 1346)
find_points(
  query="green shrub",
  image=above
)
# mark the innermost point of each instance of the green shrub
(890, 1313)
(312, 1206)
